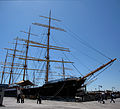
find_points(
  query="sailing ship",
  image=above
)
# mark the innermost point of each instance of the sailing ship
(65, 87)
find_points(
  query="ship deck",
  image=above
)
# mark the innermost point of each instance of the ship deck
(10, 103)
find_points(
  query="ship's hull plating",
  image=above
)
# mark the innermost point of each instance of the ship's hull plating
(66, 88)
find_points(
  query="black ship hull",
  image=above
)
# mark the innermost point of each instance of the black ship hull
(65, 89)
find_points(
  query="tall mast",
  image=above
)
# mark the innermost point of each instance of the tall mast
(49, 46)
(13, 62)
(27, 46)
(63, 69)
(4, 67)
(47, 67)
(33, 78)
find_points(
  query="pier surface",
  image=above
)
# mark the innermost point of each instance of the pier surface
(10, 103)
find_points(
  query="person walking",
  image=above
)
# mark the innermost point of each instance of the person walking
(39, 99)
(18, 94)
(112, 98)
(18, 98)
(22, 98)
(98, 97)
(102, 98)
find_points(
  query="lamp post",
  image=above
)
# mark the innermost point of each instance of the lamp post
(113, 89)
(99, 86)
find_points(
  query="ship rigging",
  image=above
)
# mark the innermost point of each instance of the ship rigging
(66, 86)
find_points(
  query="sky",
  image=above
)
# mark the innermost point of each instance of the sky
(88, 23)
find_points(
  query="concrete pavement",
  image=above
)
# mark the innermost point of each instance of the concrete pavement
(10, 103)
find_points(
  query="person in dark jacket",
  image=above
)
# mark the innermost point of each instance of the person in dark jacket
(112, 98)
(39, 99)
(22, 98)
(102, 98)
